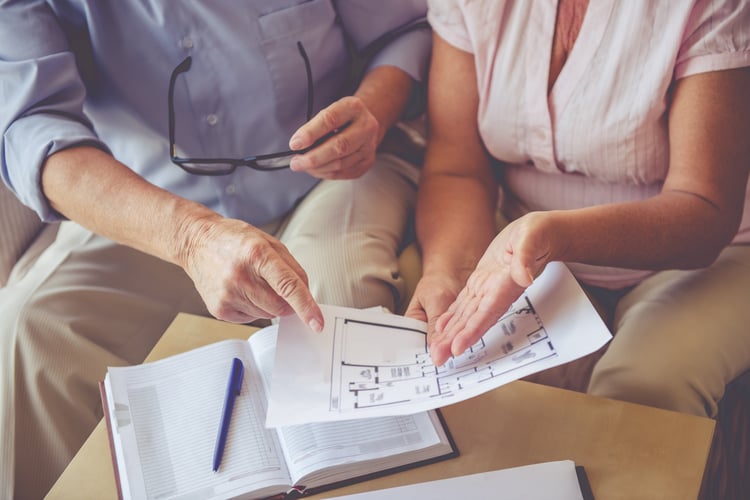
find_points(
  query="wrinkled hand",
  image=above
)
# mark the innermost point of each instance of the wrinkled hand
(244, 274)
(433, 295)
(347, 154)
(507, 268)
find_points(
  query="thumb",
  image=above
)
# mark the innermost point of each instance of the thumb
(522, 275)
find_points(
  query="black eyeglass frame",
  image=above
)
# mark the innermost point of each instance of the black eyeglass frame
(233, 163)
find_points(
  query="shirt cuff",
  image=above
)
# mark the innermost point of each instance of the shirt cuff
(409, 52)
(27, 145)
(712, 62)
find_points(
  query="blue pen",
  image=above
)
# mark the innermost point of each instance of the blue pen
(233, 390)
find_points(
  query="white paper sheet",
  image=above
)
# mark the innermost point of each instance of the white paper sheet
(542, 481)
(367, 363)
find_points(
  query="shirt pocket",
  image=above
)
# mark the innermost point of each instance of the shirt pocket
(314, 25)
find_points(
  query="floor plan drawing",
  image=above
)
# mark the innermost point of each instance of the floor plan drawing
(369, 362)
(402, 376)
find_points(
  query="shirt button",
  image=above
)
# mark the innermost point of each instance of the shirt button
(212, 119)
(186, 43)
(231, 189)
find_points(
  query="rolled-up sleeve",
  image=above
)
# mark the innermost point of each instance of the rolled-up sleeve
(365, 21)
(42, 99)
(409, 52)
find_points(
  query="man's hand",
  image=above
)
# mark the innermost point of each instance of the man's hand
(349, 152)
(244, 274)
(359, 122)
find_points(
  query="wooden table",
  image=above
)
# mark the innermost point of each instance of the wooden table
(629, 451)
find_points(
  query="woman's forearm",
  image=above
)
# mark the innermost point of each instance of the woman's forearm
(455, 218)
(457, 194)
(673, 230)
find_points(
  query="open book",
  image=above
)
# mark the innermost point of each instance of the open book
(163, 418)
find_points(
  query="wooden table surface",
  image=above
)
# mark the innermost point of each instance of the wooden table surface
(629, 451)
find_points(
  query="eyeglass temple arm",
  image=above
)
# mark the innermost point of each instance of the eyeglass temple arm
(181, 68)
(308, 71)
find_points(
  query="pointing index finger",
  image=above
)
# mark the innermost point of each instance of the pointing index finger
(294, 291)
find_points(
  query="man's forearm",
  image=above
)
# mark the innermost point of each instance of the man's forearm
(90, 187)
(385, 91)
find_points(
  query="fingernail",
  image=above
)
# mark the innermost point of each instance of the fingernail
(315, 325)
(295, 142)
(530, 274)
(297, 163)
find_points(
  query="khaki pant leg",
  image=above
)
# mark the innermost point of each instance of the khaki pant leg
(99, 304)
(681, 337)
(347, 234)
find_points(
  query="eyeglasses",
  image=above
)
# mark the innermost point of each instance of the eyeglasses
(225, 166)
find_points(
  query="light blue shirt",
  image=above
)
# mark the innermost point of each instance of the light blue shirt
(97, 71)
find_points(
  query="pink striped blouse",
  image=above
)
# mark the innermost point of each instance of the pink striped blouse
(600, 136)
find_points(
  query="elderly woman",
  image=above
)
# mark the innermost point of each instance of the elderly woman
(618, 132)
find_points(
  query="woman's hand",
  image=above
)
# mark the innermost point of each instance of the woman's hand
(434, 293)
(244, 274)
(518, 254)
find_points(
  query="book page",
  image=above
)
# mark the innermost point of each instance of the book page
(367, 364)
(309, 449)
(166, 415)
(326, 452)
(541, 481)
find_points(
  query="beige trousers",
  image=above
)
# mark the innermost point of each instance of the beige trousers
(88, 303)
(680, 337)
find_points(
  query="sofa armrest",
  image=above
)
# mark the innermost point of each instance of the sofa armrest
(19, 226)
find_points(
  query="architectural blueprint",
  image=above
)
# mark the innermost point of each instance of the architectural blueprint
(516, 340)
(367, 363)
